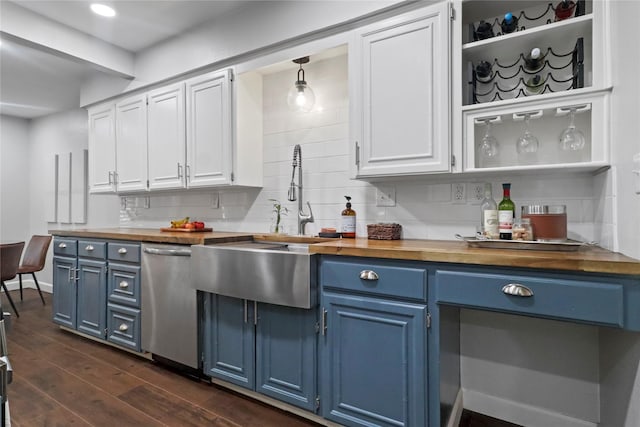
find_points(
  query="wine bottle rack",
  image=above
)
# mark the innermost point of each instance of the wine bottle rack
(524, 21)
(508, 80)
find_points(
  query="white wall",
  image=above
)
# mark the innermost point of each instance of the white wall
(29, 168)
(15, 178)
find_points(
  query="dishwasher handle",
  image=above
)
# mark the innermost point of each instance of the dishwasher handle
(168, 252)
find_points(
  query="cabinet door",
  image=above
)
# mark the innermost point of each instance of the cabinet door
(209, 135)
(64, 291)
(399, 94)
(167, 140)
(373, 362)
(131, 144)
(229, 345)
(286, 354)
(92, 297)
(102, 149)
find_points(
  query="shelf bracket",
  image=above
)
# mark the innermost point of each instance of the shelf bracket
(518, 117)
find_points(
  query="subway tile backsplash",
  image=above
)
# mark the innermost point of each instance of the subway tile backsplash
(423, 207)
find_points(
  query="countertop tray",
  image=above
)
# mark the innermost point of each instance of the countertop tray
(187, 230)
(566, 246)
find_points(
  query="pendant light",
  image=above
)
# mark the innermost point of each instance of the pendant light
(301, 96)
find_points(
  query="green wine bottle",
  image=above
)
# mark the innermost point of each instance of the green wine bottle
(506, 213)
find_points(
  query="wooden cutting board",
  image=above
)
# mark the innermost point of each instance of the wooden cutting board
(187, 230)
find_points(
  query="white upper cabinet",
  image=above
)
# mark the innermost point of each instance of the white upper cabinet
(514, 114)
(102, 148)
(399, 94)
(167, 140)
(131, 144)
(209, 130)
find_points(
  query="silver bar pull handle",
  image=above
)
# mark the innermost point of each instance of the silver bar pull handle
(246, 314)
(255, 313)
(369, 275)
(122, 251)
(76, 274)
(89, 248)
(110, 178)
(323, 322)
(179, 171)
(62, 245)
(69, 277)
(517, 290)
(168, 252)
(123, 328)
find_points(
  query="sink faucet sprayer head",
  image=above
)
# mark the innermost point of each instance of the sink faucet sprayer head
(297, 162)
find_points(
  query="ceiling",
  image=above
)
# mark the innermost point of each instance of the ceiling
(35, 82)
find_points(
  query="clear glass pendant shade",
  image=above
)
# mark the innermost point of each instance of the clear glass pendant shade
(300, 96)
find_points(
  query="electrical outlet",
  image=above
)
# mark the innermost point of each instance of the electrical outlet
(475, 192)
(215, 200)
(386, 196)
(458, 193)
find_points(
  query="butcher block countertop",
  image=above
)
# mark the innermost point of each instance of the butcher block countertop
(155, 235)
(591, 259)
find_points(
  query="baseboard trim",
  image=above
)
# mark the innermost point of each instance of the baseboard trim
(518, 413)
(14, 285)
(456, 411)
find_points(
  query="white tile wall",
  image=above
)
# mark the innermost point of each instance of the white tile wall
(424, 206)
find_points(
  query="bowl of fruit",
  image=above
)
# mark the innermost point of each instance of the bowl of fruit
(186, 225)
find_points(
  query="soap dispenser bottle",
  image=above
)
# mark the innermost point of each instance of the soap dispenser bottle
(348, 220)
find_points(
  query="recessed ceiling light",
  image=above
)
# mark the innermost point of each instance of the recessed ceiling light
(103, 10)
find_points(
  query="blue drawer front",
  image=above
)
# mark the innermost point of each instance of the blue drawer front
(580, 300)
(124, 284)
(127, 252)
(124, 326)
(394, 279)
(92, 249)
(66, 247)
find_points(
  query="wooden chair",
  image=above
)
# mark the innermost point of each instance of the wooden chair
(9, 262)
(34, 259)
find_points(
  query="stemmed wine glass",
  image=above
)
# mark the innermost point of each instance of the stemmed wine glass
(527, 143)
(571, 139)
(488, 147)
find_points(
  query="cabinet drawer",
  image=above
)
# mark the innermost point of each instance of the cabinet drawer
(92, 249)
(124, 284)
(378, 278)
(123, 324)
(561, 298)
(128, 252)
(66, 247)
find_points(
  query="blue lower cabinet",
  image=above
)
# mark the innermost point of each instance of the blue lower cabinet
(92, 297)
(266, 348)
(64, 291)
(229, 345)
(96, 297)
(286, 354)
(373, 361)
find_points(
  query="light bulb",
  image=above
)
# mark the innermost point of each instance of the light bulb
(301, 97)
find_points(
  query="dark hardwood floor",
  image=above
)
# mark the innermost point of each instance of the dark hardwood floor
(61, 379)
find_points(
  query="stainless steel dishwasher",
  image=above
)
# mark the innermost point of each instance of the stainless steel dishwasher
(169, 304)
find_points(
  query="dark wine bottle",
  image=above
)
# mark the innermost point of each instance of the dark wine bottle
(506, 213)
(534, 60)
(509, 24)
(483, 71)
(564, 9)
(484, 31)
